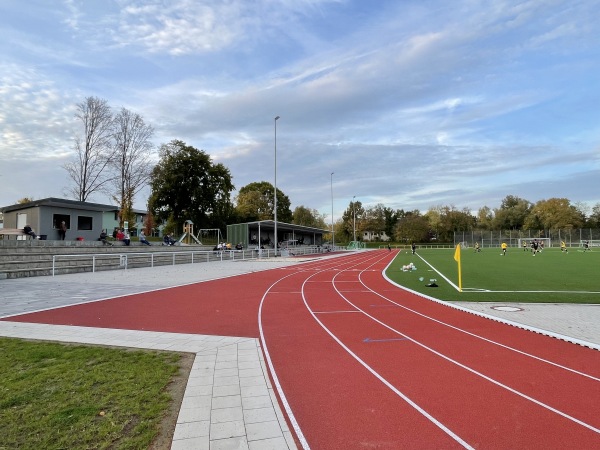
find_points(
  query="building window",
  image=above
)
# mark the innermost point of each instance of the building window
(84, 223)
(58, 218)
(117, 216)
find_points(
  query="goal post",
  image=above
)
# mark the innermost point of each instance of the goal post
(546, 242)
(210, 236)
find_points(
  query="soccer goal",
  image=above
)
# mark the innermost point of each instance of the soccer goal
(210, 236)
(546, 242)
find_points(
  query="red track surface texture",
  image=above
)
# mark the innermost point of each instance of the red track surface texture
(363, 364)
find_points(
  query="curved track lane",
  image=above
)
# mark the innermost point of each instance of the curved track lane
(394, 370)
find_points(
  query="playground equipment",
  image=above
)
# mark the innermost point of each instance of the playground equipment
(188, 234)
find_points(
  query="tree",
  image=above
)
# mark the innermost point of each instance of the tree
(594, 218)
(308, 217)
(131, 159)
(149, 223)
(255, 201)
(93, 149)
(554, 213)
(24, 200)
(485, 218)
(512, 213)
(186, 185)
(433, 216)
(412, 228)
(355, 215)
(450, 219)
(391, 219)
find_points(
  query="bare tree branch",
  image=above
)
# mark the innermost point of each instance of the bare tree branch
(131, 158)
(93, 149)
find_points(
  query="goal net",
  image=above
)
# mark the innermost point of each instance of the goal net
(210, 236)
(526, 242)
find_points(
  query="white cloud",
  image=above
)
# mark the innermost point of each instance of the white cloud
(36, 118)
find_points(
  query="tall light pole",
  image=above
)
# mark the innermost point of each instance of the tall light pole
(275, 197)
(332, 230)
(354, 215)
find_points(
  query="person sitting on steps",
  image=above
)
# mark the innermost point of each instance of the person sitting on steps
(143, 239)
(29, 231)
(103, 237)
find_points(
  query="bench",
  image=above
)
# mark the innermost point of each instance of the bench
(12, 232)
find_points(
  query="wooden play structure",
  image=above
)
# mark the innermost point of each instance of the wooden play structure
(188, 234)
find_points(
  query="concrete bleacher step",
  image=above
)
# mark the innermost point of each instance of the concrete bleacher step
(35, 258)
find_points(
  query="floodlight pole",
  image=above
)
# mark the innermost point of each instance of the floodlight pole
(354, 216)
(332, 229)
(275, 197)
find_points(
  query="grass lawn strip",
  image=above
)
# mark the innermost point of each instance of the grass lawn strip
(56, 396)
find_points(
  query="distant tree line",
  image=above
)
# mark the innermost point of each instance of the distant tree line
(440, 223)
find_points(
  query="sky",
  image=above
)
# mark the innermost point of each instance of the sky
(411, 104)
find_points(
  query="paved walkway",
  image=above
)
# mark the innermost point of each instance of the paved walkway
(229, 402)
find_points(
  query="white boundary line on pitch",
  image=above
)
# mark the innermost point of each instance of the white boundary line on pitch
(500, 292)
(495, 318)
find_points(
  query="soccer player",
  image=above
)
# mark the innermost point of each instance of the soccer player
(524, 245)
(534, 246)
(504, 247)
(563, 247)
(477, 248)
(586, 246)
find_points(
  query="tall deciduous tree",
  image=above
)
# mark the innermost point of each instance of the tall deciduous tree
(412, 228)
(512, 213)
(554, 213)
(255, 201)
(308, 217)
(485, 216)
(93, 149)
(186, 185)
(131, 159)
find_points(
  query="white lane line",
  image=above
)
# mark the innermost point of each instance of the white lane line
(475, 372)
(422, 411)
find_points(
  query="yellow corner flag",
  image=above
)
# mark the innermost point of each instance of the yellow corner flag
(457, 259)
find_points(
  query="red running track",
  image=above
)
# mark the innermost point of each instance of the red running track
(364, 364)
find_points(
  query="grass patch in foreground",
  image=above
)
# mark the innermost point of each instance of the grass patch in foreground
(516, 277)
(61, 396)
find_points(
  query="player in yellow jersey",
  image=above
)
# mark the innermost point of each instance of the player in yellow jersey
(563, 247)
(504, 247)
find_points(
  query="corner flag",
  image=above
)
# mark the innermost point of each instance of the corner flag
(457, 259)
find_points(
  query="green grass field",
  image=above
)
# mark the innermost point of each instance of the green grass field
(58, 396)
(549, 277)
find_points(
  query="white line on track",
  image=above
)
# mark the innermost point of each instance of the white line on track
(381, 378)
(480, 337)
(514, 391)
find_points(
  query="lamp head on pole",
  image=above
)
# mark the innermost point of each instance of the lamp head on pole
(277, 118)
